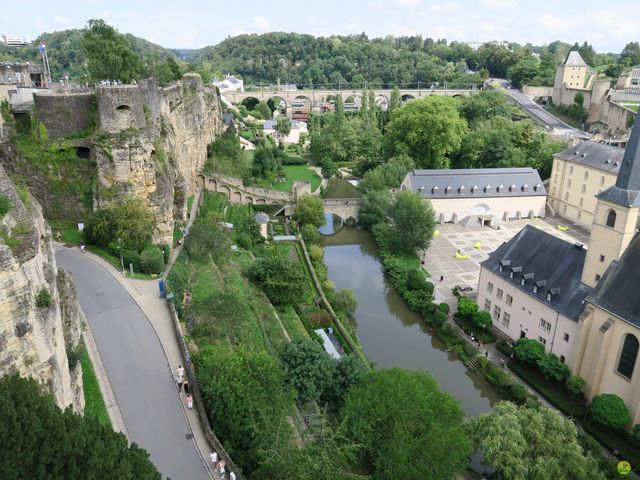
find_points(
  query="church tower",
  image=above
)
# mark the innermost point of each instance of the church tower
(616, 217)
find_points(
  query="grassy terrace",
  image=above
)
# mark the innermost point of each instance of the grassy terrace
(94, 403)
(298, 172)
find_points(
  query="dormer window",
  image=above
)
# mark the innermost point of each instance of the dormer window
(539, 285)
(434, 189)
(525, 187)
(522, 281)
(515, 271)
(548, 296)
(554, 292)
(422, 189)
(500, 187)
(448, 189)
(537, 187)
(474, 188)
(535, 289)
(487, 188)
(512, 188)
(504, 264)
(461, 189)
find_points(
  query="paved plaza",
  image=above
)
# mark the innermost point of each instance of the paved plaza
(440, 258)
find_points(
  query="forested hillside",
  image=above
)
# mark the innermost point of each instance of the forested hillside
(356, 59)
(66, 55)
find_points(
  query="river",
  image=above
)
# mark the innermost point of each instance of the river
(391, 334)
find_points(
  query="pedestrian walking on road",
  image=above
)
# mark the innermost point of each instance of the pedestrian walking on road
(189, 401)
(82, 247)
(179, 377)
(441, 277)
(221, 466)
(213, 458)
(232, 476)
(186, 386)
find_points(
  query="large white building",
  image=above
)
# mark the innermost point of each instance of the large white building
(230, 84)
(485, 195)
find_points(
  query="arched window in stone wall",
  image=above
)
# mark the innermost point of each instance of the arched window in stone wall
(125, 108)
(611, 219)
(628, 355)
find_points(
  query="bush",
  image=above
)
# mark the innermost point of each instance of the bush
(316, 253)
(152, 260)
(528, 351)
(444, 308)
(206, 238)
(482, 319)
(44, 298)
(609, 409)
(552, 368)
(439, 318)
(504, 347)
(308, 368)
(635, 434)
(467, 307)
(282, 279)
(244, 240)
(131, 257)
(345, 300)
(575, 385)
(310, 234)
(5, 205)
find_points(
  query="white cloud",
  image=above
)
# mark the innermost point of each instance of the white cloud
(375, 5)
(59, 20)
(261, 23)
(445, 7)
(498, 4)
(408, 3)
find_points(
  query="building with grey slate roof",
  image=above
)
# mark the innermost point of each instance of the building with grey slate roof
(486, 195)
(532, 287)
(578, 175)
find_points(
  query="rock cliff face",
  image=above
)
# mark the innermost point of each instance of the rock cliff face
(35, 332)
(155, 144)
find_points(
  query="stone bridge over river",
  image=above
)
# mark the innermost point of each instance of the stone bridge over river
(236, 191)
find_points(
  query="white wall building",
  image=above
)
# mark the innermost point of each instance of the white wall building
(230, 84)
(297, 127)
(487, 195)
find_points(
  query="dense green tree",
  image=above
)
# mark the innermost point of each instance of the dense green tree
(630, 54)
(345, 300)
(484, 105)
(262, 111)
(388, 175)
(246, 398)
(41, 441)
(308, 368)
(375, 208)
(310, 210)
(427, 130)
(552, 368)
(265, 164)
(482, 319)
(282, 279)
(531, 444)
(522, 72)
(414, 221)
(207, 238)
(310, 234)
(128, 219)
(467, 307)
(528, 350)
(610, 410)
(348, 371)
(283, 125)
(406, 425)
(635, 434)
(108, 53)
(329, 456)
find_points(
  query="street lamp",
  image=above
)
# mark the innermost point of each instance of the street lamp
(120, 253)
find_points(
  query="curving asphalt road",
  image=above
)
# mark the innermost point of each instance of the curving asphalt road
(137, 368)
(550, 121)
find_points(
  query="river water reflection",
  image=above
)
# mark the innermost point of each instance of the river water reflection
(390, 334)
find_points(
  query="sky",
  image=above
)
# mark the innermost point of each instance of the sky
(194, 24)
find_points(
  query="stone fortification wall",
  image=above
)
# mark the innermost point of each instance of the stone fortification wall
(157, 144)
(64, 114)
(34, 340)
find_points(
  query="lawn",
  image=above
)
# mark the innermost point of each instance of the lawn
(93, 401)
(298, 172)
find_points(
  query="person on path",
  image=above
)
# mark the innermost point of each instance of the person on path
(179, 377)
(186, 386)
(441, 278)
(213, 458)
(221, 466)
(189, 401)
(82, 247)
(232, 476)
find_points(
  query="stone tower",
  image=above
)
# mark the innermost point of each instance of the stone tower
(571, 72)
(616, 216)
